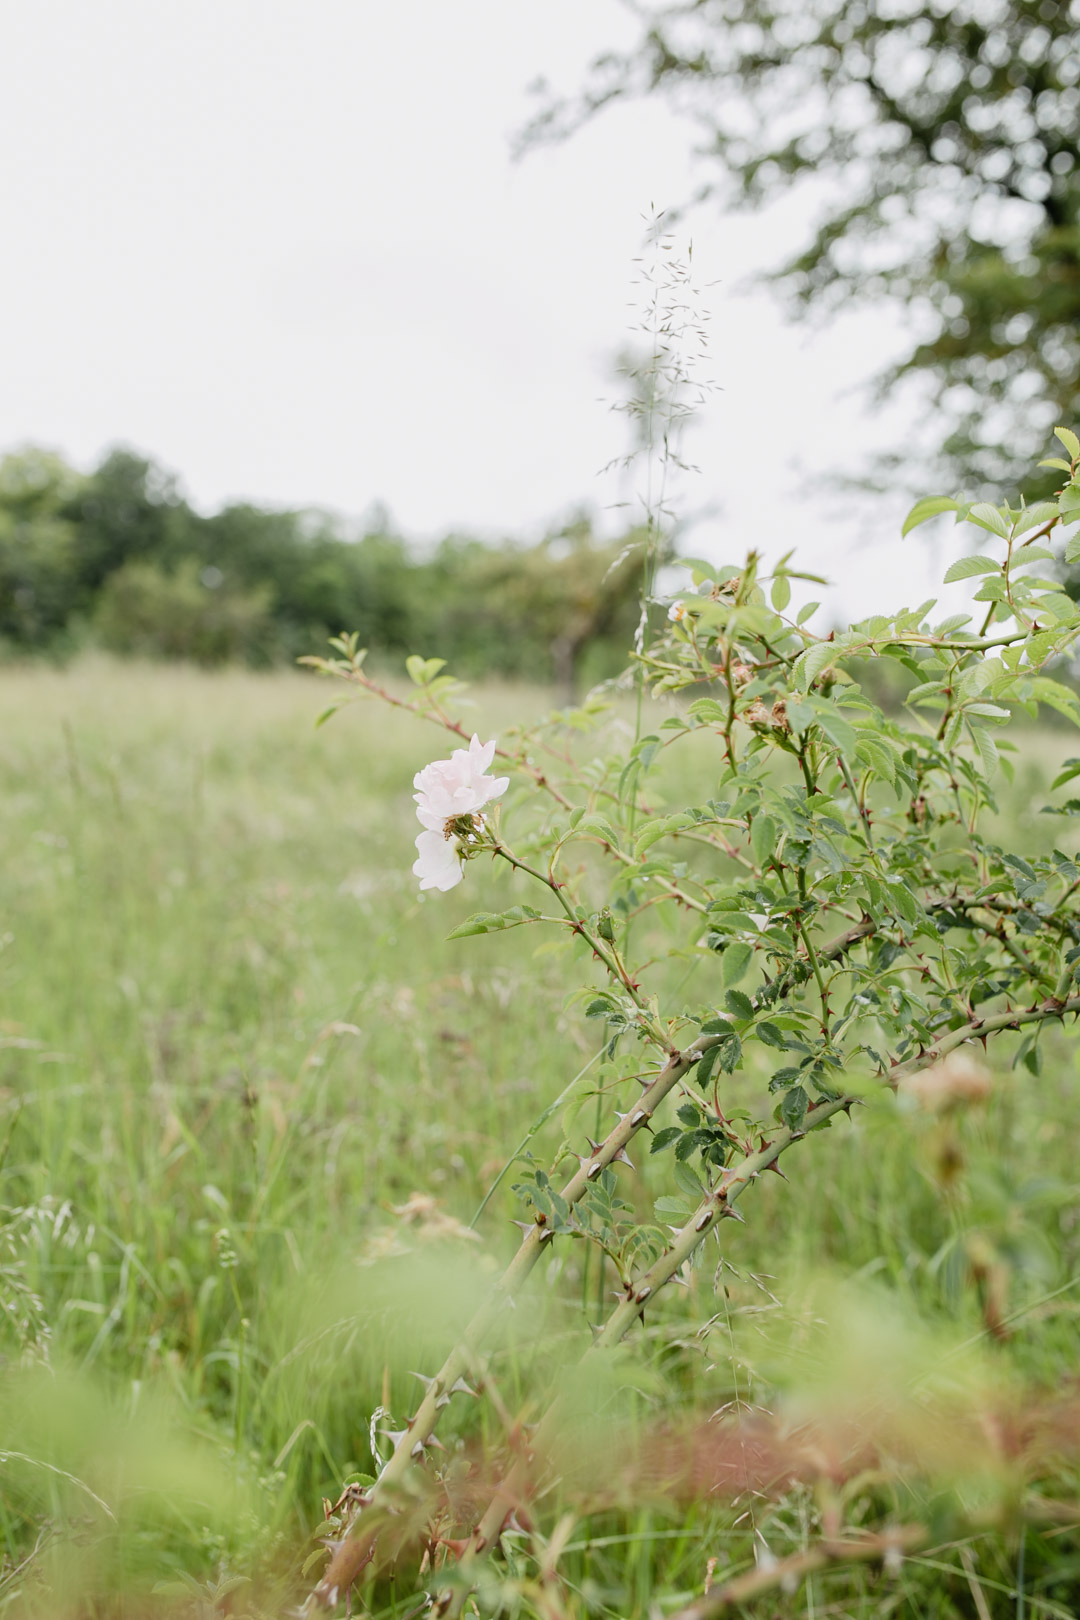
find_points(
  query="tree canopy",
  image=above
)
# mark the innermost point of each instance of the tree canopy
(119, 556)
(941, 140)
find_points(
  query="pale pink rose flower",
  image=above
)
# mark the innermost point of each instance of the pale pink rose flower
(438, 862)
(447, 789)
(457, 786)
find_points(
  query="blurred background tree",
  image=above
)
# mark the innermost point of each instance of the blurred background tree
(567, 605)
(39, 588)
(940, 141)
(119, 557)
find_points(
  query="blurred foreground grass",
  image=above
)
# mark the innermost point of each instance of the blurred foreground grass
(248, 1098)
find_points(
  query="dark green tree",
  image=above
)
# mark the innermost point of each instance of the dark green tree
(322, 580)
(128, 509)
(118, 555)
(39, 590)
(942, 140)
(562, 610)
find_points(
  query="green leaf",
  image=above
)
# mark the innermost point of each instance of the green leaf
(646, 750)
(902, 900)
(762, 838)
(327, 714)
(703, 570)
(793, 1106)
(987, 752)
(1059, 606)
(1072, 768)
(809, 665)
(1069, 440)
(807, 611)
(989, 711)
(1035, 516)
(969, 566)
(736, 960)
(709, 711)
(780, 594)
(838, 730)
(672, 1209)
(730, 1050)
(706, 1064)
(598, 827)
(653, 831)
(1056, 461)
(878, 756)
(930, 506)
(494, 922)
(739, 1004)
(988, 517)
(422, 671)
(1056, 696)
(688, 1183)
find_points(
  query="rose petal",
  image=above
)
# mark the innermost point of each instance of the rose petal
(438, 862)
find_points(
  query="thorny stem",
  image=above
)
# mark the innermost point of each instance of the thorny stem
(353, 1553)
(437, 717)
(715, 1206)
(541, 1120)
(978, 1028)
(862, 930)
(1017, 952)
(671, 889)
(610, 959)
(786, 1572)
(863, 812)
(811, 785)
(818, 976)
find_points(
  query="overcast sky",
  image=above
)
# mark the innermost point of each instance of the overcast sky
(282, 246)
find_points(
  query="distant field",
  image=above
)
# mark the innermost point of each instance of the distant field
(234, 1041)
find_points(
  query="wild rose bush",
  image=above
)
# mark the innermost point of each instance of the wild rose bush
(850, 916)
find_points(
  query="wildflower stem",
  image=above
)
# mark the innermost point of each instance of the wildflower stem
(355, 1550)
(718, 1203)
(787, 1572)
(819, 977)
(611, 960)
(537, 1124)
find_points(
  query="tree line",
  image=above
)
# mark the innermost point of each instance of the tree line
(119, 558)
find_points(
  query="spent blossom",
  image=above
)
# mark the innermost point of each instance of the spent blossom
(450, 793)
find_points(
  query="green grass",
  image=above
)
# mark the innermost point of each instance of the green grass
(233, 1038)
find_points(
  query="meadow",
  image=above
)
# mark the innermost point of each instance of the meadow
(251, 1100)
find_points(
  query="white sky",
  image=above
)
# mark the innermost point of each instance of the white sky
(281, 246)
